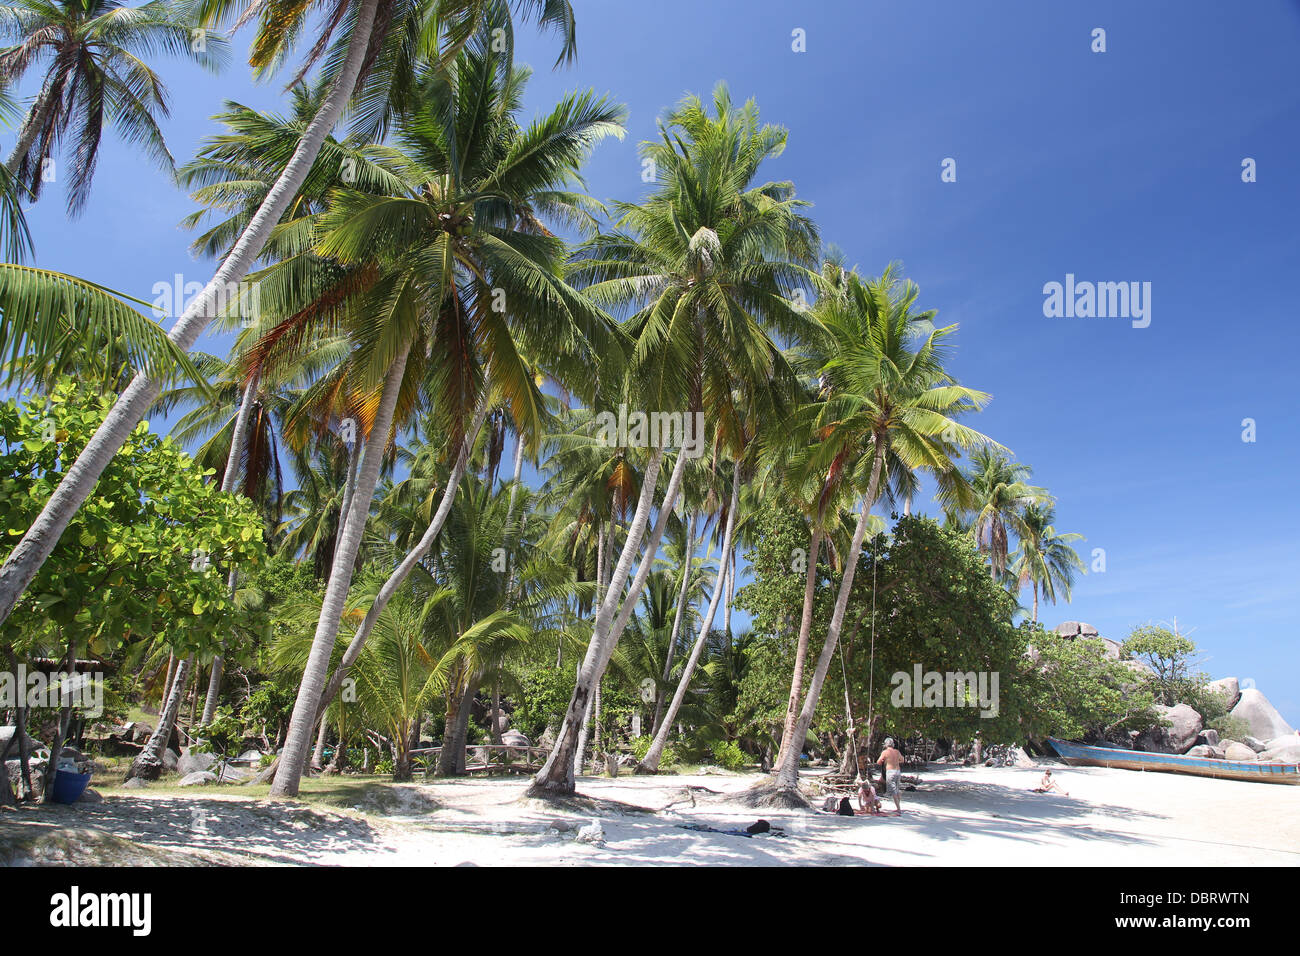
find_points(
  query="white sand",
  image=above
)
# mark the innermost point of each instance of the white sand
(957, 816)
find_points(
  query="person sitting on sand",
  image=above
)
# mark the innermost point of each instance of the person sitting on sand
(1047, 784)
(893, 763)
(868, 800)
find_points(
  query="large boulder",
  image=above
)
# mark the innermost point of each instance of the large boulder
(1261, 716)
(1177, 738)
(228, 774)
(1071, 630)
(199, 778)
(1205, 750)
(1236, 750)
(514, 738)
(1282, 751)
(6, 734)
(1228, 688)
(190, 762)
(1209, 737)
(1254, 743)
(170, 760)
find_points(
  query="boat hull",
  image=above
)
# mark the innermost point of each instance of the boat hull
(1082, 755)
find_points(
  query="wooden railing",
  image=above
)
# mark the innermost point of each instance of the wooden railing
(491, 758)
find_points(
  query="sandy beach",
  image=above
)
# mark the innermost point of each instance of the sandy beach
(957, 816)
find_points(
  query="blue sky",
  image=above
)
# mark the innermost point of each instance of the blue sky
(1115, 166)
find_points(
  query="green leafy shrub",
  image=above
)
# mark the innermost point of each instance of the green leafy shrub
(729, 756)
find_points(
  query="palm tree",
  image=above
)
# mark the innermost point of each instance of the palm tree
(886, 396)
(1046, 559)
(432, 22)
(94, 78)
(709, 263)
(463, 237)
(57, 324)
(1002, 494)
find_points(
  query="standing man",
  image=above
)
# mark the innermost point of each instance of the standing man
(893, 764)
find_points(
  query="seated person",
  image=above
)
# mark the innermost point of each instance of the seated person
(1047, 785)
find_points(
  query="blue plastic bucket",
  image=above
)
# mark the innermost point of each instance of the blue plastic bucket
(69, 786)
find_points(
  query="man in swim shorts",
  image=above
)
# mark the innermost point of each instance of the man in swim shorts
(893, 764)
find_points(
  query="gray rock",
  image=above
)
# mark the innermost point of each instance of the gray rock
(1184, 727)
(135, 783)
(140, 733)
(228, 774)
(1261, 716)
(90, 796)
(170, 760)
(190, 762)
(6, 733)
(1088, 631)
(1069, 629)
(1228, 688)
(513, 738)
(1205, 750)
(199, 778)
(1285, 752)
(1254, 743)
(1208, 736)
(592, 833)
(1110, 649)
(1236, 750)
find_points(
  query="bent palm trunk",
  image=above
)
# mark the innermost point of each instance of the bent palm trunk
(148, 763)
(228, 480)
(39, 541)
(787, 771)
(556, 775)
(305, 708)
(678, 615)
(650, 762)
(801, 650)
(403, 570)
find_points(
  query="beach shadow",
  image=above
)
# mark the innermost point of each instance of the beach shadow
(259, 832)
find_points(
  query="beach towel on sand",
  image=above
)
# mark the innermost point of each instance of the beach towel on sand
(761, 826)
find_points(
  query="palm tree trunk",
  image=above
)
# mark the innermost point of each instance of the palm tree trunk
(43, 535)
(318, 754)
(20, 728)
(349, 488)
(238, 438)
(603, 542)
(495, 717)
(171, 675)
(306, 709)
(148, 763)
(650, 762)
(1035, 602)
(787, 771)
(678, 617)
(56, 745)
(731, 594)
(31, 128)
(414, 557)
(801, 649)
(556, 775)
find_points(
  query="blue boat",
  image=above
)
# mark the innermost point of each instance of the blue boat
(1082, 755)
